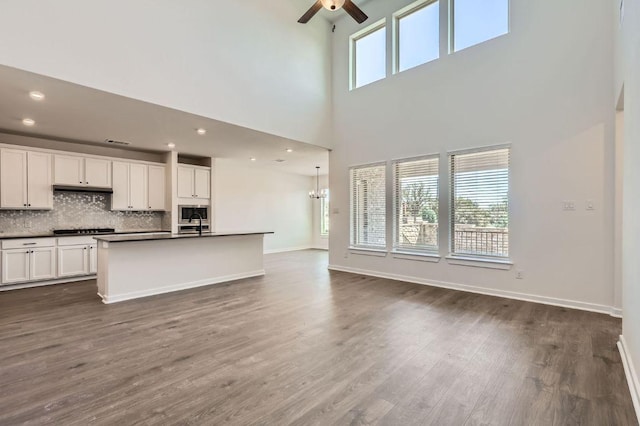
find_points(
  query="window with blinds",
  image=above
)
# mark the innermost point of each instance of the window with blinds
(415, 204)
(480, 203)
(368, 206)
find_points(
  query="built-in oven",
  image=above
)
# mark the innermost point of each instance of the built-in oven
(187, 212)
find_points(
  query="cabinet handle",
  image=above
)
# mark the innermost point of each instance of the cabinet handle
(29, 205)
(24, 205)
(80, 181)
(29, 244)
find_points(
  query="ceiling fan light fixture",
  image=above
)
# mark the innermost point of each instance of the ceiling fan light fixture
(332, 4)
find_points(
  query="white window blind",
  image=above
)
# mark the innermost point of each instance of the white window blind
(368, 206)
(480, 203)
(415, 204)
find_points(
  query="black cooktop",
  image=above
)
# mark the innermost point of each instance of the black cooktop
(86, 231)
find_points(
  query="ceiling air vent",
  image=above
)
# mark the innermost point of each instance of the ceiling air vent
(115, 142)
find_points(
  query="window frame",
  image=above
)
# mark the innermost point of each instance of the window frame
(435, 250)
(353, 39)
(452, 27)
(395, 31)
(352, 243)
(469, 257)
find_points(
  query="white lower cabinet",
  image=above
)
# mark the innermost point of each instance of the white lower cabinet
(31, 264)
(93, 259)
(73, 261)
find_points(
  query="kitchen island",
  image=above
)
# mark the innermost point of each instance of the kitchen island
(135, 266)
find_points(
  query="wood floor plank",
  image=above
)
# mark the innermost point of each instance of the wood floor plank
(303, 345)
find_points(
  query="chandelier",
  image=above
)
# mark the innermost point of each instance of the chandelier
(317, 194)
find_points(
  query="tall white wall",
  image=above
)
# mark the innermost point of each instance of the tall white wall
(628, 70)
(546, 88)
(255, 198)
(244, 62)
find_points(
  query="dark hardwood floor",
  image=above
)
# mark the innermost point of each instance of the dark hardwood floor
(306, 346)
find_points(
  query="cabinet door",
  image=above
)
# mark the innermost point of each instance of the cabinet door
(97, 172)
(43, 263)
(13, 179)
(185, 182)
(157, 193)
(120, 196)
(68, 170)
(15, 266)
(202, 183)
(138, 186)
(40, 192)
(93, 259)
(73, 260)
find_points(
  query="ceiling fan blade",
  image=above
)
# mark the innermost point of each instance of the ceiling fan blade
(311, 12)
(355, 12)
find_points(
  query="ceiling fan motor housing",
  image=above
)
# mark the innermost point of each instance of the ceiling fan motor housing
(332, 4)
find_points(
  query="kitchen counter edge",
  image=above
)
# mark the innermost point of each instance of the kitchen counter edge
(161, 237)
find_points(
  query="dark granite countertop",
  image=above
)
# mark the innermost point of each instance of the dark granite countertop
(160, 237)
(14, 236)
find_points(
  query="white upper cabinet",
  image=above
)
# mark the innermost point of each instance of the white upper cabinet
(202, 185)
(186, 181)
(138, 187)
(194, 182)
(25, 180)
(97, 172)
(80, 171)
(120, 196)
(68, 170)
(13, 179)
(157, 187)
(39, 189)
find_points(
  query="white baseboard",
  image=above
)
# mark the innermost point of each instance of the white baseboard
(285, 250)
(565, 303)
(630, 373)
(616, 312)
(45, 283)
(177, 287)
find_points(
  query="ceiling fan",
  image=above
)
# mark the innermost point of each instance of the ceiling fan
(333, 5)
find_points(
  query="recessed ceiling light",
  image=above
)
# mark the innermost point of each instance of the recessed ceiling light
(36, 96)
(289, 150)
(201, 132)
(252, 159)
(28, 122)
(171, 145)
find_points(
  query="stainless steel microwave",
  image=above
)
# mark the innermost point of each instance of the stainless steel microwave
(187, 212)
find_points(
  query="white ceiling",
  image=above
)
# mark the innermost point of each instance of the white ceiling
(79, 113)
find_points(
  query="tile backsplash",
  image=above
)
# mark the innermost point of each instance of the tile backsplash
(77, 210)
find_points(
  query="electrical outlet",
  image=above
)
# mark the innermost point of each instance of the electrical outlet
(519, 275)
(346, 254)
(27, 223)
(568, 205)
(589, 205)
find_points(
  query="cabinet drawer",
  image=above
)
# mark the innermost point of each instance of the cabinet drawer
(76, 241)
(30, 242)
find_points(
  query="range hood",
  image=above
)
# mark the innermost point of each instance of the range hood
(68, 188)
